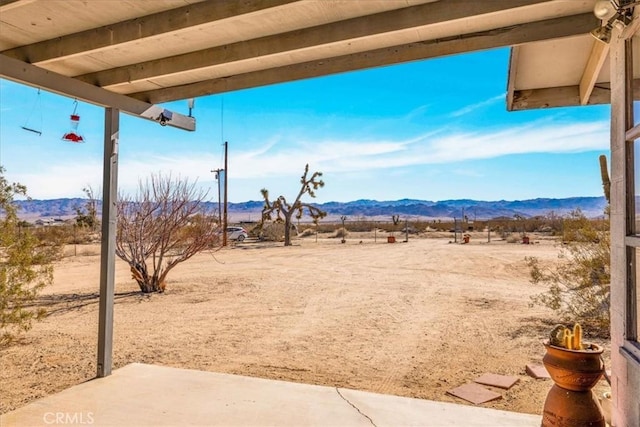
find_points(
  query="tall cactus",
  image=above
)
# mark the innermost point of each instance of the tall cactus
(604, 173)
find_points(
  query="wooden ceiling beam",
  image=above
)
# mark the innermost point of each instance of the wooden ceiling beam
(351, 29)
(501, 37)
(511, 75)
(18, 71)
(565, 96)
(138, 28)
(11, 4)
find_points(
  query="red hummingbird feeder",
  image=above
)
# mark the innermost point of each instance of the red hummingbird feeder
(73, 135)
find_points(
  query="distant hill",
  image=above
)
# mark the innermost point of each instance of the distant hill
(473, 209)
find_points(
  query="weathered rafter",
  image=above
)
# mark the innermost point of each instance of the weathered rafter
(139, 28)
(13, 69)
(598, 56)
(564, 96)
(513, 35)
(351, 29)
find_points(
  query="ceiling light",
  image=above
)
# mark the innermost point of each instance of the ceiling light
(604, 10)
(616, 13)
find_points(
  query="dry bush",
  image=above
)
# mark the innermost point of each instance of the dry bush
(362, 225)
(26, 266)
(390, 227)
(340, 232)
(513, 238)
(54, 235)
(326, 227)
(73, 250)
(163, 225)
(578, 288)
(307, 232)
(273, 232)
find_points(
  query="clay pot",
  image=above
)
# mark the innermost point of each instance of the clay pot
(576, 370)
(570, 402)
(566, 408)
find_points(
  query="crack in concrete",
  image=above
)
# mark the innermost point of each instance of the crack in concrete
(355, 407)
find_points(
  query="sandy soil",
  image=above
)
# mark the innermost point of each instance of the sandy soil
(412, 319)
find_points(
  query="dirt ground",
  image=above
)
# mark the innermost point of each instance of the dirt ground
(411, 319)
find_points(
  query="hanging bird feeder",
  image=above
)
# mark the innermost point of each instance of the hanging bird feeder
(28, 126)
(73, 135)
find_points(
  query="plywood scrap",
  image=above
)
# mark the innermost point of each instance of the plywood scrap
(474, 393)
(495, 380)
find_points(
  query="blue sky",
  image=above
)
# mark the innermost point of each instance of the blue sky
(432, 130)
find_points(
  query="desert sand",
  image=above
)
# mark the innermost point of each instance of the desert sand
(412, 319)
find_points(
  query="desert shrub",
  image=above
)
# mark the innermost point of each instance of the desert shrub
(578, 287)
(340, 232)
(325, 227)
(307, 232)
(361, 225)
(273, 232)
(409, 229)
(253, 229)
(578, 228)
(512, 238)
(163, 225)
(54, 235)
(25, 267)
(390, 227)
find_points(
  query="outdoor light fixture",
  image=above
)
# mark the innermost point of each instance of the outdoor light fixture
(614, 13)
(604, 10)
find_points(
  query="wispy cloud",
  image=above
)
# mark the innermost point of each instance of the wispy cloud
(431, 148)
(281, 158)
(470, 108)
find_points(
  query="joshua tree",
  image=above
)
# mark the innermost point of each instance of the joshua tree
(285, 210)
(162, 226)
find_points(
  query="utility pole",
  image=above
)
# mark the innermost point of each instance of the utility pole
(217, 172)
(226, 180)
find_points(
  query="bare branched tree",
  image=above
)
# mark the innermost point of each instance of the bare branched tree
(164, 225)
(284, 211)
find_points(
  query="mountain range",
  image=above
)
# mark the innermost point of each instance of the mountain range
(31, 210)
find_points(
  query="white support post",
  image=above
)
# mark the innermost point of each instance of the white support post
(108, 248)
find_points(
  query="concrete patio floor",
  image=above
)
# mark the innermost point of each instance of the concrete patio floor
(147, 395)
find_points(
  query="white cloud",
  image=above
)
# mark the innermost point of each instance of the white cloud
(431, 148)
(280, 158)
(482, 104)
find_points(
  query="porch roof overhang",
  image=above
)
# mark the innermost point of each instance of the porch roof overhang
(134, 54)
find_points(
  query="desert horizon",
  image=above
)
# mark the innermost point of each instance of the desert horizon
(592, 207)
